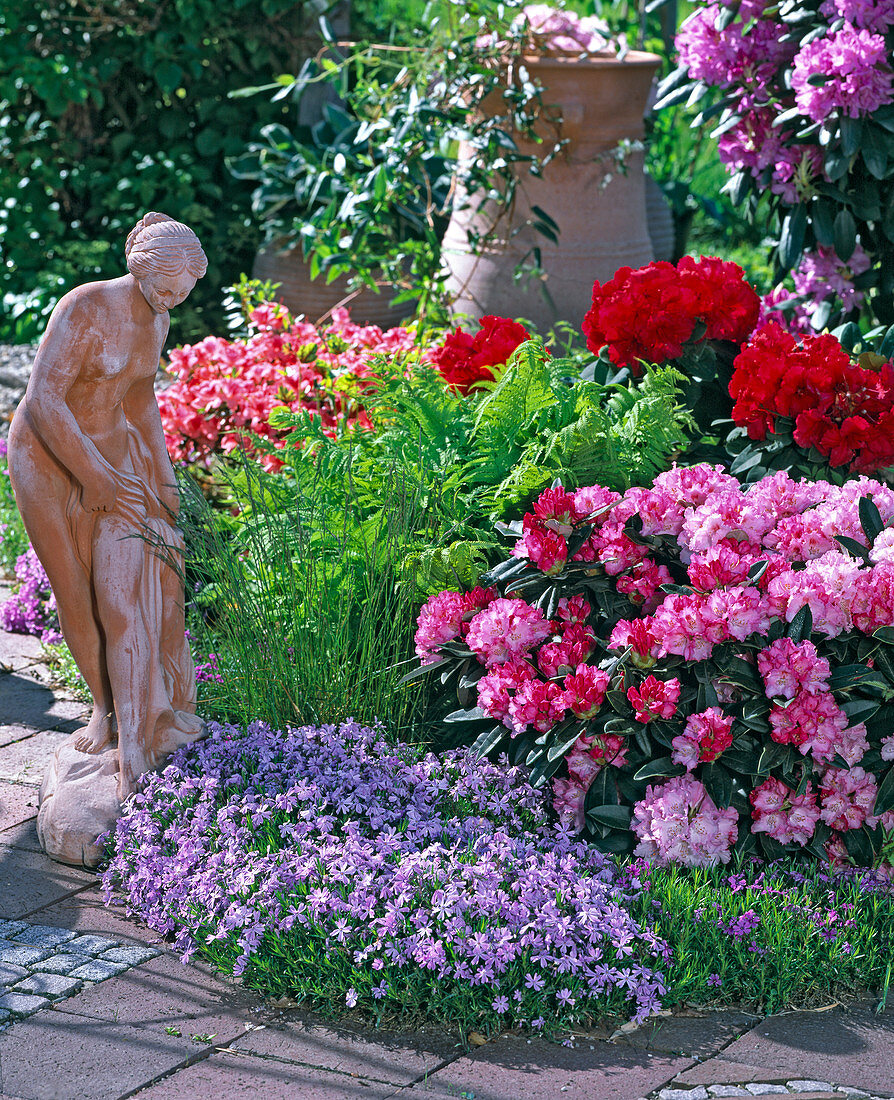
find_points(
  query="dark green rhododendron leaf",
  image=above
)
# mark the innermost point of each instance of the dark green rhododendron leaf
(884, 798)
(618, 817)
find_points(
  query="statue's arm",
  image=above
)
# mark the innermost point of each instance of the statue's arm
(141, 410)
(67, 340)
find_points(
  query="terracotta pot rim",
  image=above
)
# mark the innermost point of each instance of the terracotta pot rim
(604, 59)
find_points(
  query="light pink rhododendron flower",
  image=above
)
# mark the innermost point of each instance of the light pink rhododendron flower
(678, 823)
(506, 629)
(787, 817)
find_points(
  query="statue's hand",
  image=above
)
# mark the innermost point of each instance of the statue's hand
(100, 494)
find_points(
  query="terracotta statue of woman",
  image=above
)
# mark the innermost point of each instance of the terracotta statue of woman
(98, 496)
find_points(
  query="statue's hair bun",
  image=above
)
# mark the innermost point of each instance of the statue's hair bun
(159, 244)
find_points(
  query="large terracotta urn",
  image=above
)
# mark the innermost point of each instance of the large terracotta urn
(593, 190)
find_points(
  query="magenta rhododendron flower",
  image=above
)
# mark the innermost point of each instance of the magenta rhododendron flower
(789, 668)
(654, 699)
(585, 690)
(856, 71)
(704, 738)
(506, 629)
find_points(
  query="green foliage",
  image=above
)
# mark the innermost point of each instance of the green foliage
(13, 540)
(816, 936)
(479, 458)
(117, 107)
(304, 601)
(65, 673)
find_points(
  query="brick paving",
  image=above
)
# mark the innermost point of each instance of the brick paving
(94, 1007)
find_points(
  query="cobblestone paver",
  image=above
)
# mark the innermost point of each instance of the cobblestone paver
(795, 1087)
(41, 965)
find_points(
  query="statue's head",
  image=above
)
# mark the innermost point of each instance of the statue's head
(166, 259)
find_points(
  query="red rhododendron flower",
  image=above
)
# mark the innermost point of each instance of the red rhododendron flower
(463, 360)
(649, 314)
(842, 410)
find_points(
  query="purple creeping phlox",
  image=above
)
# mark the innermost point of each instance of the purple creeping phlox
(333, 865)
(32, 607)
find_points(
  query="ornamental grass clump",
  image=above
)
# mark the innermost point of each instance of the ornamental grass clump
(702, 668)
(331, 866)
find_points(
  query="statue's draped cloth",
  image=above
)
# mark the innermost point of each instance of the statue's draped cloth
(140, 515)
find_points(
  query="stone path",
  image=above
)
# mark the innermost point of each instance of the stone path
(119, 1016)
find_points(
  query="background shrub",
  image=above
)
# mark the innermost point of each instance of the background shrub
(115, 107)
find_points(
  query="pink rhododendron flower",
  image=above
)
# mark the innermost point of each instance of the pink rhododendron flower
(572, 649)
(787, 817)
(789, 668)
(440, 620)
(585, 690)
(568, 802)
(557, 509)
(639, 635)
(847, 797)
(583, 765)
(856, 70)
(506, 629)
(497, 688)
(573, 609)
(643, 581)
(542, 545)
(654, 699)
(678, 823)
(538, 703)
(704, 738)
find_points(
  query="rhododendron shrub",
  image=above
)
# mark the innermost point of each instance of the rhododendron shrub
(225, 390)
(802, 99)
(697, 668)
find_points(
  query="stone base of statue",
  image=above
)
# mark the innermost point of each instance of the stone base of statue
(78, 803)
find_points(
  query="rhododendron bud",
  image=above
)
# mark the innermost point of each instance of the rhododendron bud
(557, 510)
(573, 609)
(643, 581)
(654, 699)
(475, 601)
(585, 690)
